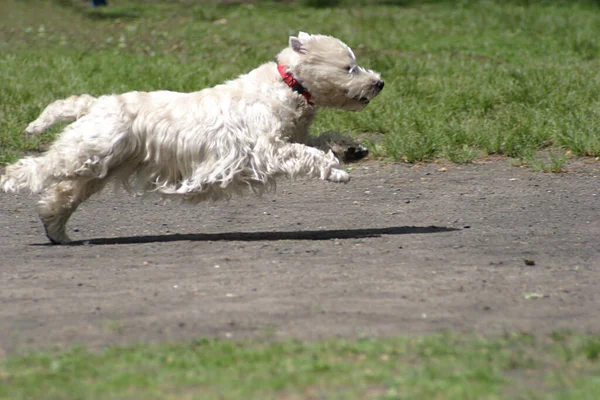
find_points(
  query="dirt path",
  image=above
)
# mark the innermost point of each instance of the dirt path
(399, 250)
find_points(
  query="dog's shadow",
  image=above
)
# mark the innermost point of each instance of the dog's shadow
(268, 236)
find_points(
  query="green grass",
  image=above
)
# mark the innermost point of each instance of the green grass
(463, 78)
(559, 366)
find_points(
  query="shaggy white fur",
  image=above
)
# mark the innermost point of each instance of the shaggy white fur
(196, 146)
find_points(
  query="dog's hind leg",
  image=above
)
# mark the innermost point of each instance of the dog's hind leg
(60, 200)
(77, 165)
(67, 110)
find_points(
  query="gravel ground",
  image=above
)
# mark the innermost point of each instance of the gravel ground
(401, 249)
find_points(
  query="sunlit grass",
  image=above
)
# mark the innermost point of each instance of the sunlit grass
(463, 79)
(561, 366)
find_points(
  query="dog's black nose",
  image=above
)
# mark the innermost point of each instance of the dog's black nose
(379, 85)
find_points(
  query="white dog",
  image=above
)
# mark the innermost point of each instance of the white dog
(196, 146)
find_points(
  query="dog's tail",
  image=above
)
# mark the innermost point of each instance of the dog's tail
(34, 174)
(19, 176)
(23, 175)
(67, 110)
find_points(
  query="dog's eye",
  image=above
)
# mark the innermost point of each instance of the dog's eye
(349, 68)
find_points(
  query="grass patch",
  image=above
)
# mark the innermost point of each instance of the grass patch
(561, 365)
(547, 161)
(463, 79)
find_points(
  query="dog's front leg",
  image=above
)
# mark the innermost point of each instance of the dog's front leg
(294, 159)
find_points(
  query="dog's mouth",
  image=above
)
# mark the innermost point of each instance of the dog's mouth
(362, 100)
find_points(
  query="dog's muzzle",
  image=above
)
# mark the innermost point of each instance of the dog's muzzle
(377, 87)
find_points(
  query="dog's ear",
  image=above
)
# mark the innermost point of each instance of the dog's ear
(296, 44)
(303, 36)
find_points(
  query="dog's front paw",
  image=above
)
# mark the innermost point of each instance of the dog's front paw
(34, 128)
(337, 175)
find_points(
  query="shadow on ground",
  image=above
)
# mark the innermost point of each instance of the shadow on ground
(266, 236)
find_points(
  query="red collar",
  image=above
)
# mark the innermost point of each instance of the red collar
(289, 79)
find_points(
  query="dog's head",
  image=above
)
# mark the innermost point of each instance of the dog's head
(328, 70)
